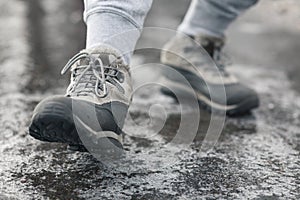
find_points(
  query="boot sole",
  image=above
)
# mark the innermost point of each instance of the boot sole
(54, 122)
(205, 103)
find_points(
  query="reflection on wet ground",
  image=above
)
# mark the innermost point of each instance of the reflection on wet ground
(257, 155)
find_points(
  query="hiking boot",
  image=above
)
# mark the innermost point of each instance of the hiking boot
(92, 113)
(198, 60)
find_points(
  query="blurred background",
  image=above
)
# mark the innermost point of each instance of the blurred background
(257, 156)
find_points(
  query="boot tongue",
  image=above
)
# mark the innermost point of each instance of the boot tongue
(209, 43)
(106, 59)
(107, 54)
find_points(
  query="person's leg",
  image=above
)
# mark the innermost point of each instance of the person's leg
(92, 113)
(115, 23)
(212, 17)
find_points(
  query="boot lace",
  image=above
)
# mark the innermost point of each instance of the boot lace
(221, 60)
(92, 76)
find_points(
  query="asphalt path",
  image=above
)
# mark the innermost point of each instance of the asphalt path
(256, 157)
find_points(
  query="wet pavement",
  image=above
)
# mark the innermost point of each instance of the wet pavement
(257, 156)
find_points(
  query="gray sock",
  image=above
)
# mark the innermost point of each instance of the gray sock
(112, 30)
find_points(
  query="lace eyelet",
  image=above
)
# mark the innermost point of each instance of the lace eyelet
(120, 77)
